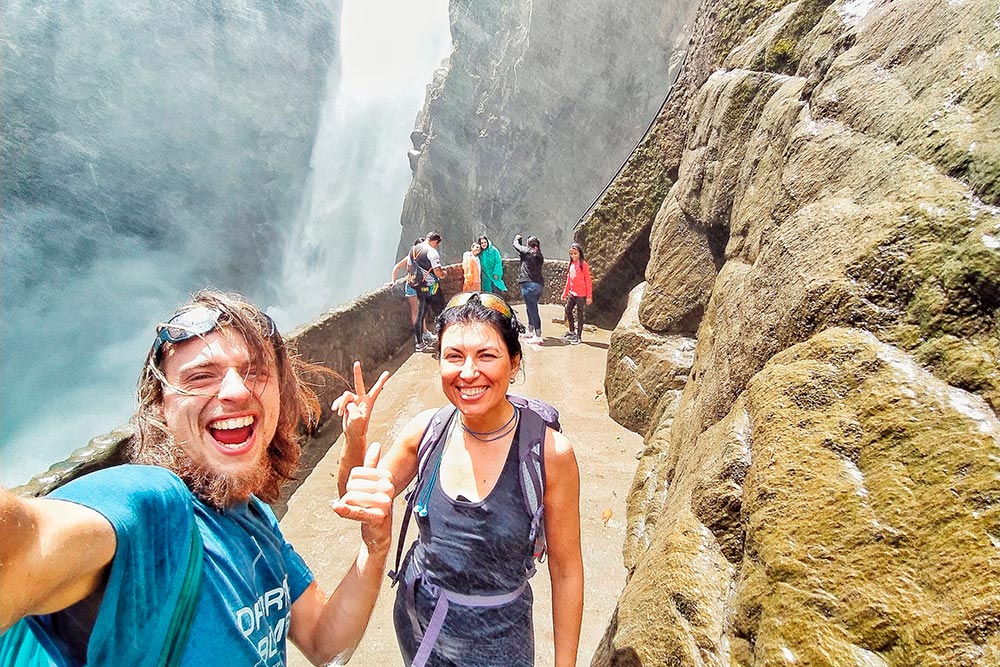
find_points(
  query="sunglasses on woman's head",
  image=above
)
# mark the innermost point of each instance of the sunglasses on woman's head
(491, 301)
(196, 321)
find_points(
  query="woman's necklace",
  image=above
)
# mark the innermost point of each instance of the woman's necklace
(495, 434)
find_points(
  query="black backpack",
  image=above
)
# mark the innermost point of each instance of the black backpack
(416, 272)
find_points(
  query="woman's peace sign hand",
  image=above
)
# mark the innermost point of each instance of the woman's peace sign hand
(355, 407)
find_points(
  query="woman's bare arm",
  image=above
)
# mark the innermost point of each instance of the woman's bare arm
(562, 535)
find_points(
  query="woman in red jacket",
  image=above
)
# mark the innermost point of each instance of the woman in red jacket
(577, 292)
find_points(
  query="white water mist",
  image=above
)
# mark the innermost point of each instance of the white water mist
(345, 237)
(150, 154)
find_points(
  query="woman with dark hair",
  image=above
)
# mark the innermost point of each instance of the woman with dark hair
(530, 277)
(463, 597)
(401, 267)
(492, 264)
(577, 293)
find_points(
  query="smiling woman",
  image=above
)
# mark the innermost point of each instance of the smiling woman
(465, 597)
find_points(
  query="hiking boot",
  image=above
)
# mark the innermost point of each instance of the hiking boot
(429, 338)
(419, 347)
(575, 340)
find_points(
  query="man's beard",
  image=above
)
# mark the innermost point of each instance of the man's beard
(217, 489)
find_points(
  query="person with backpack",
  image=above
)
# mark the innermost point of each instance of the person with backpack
(530, 277)
(175, 559)
(577, 293)
(495, 488)
(409, 293)
(492, 263)
(423, 274)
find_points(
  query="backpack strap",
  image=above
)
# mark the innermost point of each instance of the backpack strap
(531, 464)
(20, 646)
(531, 467)
(546, 411)
(414, 272)
(183, 616)
(416, 497)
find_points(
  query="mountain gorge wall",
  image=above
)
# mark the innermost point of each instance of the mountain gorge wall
(147, 150)
(140, 123)
(812, 356)
(538, 105)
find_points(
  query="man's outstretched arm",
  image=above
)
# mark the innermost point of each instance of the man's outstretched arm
(328, 629)
(53, 554)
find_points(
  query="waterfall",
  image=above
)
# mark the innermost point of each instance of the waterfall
(345, 236)
(150, 151)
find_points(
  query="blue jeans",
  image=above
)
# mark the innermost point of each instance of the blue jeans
(532, 292)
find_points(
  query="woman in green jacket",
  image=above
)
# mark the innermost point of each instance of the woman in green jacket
(492, 265)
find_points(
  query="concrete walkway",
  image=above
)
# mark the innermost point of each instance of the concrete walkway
(569, 377)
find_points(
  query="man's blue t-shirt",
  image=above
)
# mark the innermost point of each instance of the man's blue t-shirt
(251, 576)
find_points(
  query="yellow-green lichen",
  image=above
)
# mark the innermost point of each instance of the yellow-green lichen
(629, 204)
(882, 546)
(967, 364)
(943, 284)
(781, 56)
(738, 19)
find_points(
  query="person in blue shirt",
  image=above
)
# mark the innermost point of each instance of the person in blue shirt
(95, 573)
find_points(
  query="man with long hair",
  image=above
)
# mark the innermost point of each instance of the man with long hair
(175, 559)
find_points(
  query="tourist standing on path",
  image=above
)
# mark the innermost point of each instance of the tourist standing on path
(476, 544)
(492, 263)
(530, 277)
(409, 293)
(436, 302)
(178, 561)
(577, 293)
(472, 270)
(424, 273)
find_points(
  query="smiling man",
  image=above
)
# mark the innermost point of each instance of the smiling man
(176, 559)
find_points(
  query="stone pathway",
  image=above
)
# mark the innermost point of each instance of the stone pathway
(569, 377)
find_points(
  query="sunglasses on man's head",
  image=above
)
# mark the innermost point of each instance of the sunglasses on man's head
(196, 321)
(491, 301)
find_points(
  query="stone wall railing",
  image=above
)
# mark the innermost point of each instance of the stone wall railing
(373, 328)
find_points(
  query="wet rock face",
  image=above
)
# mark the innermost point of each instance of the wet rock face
(540, 103)
(866, 468)
(844, 512)
(646, 371)
(824, 491)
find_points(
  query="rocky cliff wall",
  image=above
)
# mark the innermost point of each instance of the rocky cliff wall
(813, 356)
(538, 105)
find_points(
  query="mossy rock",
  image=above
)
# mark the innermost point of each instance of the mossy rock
(938, 273)
(968, 364)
